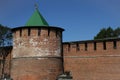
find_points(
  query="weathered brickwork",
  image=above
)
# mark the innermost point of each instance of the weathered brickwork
(36, 68)
(37, 53)
(93, 60)
(35, 45)
(40, 54)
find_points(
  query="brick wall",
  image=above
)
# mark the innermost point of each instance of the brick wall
(36, 68)
(37, 54)
(93, 60)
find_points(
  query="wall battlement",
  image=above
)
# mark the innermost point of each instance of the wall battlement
(47, 40)
(106, 46)
(37, 31)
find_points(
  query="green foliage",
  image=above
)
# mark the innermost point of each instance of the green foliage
(108, 33)
(5, 35)
(117, 32)
(101, 34)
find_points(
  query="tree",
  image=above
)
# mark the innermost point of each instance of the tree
(108, 33)
(101, 34)
(5, 36)
(117, 32)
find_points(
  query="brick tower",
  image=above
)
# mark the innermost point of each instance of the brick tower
(37, 50)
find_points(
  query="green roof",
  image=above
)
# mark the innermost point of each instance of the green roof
(36, 20)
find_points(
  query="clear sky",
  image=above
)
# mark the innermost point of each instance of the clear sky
(81, 19)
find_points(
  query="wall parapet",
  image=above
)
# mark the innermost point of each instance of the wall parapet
(92, 46)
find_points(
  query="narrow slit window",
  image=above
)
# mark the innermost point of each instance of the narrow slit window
(68, 47)
(20, 32)
(114, 44)
(39, 32)
(86, 46)
(29, 31)
(48, 32)
(78, 47)
(95, 47)
(104, 45)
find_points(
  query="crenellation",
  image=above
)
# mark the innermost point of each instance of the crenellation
(17, 34)
(90, 47)
(118, 45)
(25, 33)
(41, 32)
(34, 32)
(44, 33)
(52, 34)
(82, 47)
(109, 45)
(73, 48)
(65, 48)
(59, 35)
(99, 46)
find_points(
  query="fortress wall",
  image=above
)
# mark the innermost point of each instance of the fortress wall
(99, 47)
(100, 61)
(36, 68)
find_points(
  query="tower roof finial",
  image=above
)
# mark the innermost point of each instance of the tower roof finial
(36, 5)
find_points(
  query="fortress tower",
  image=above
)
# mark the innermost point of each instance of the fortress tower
(37, 50)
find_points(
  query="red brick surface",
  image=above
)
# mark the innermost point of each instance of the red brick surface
(93, 64)
(40, 57)
(37, 57)
(36, 68)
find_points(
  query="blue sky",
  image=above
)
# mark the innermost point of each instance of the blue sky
(81, 19)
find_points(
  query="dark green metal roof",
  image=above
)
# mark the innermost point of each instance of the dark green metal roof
(36, 20)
